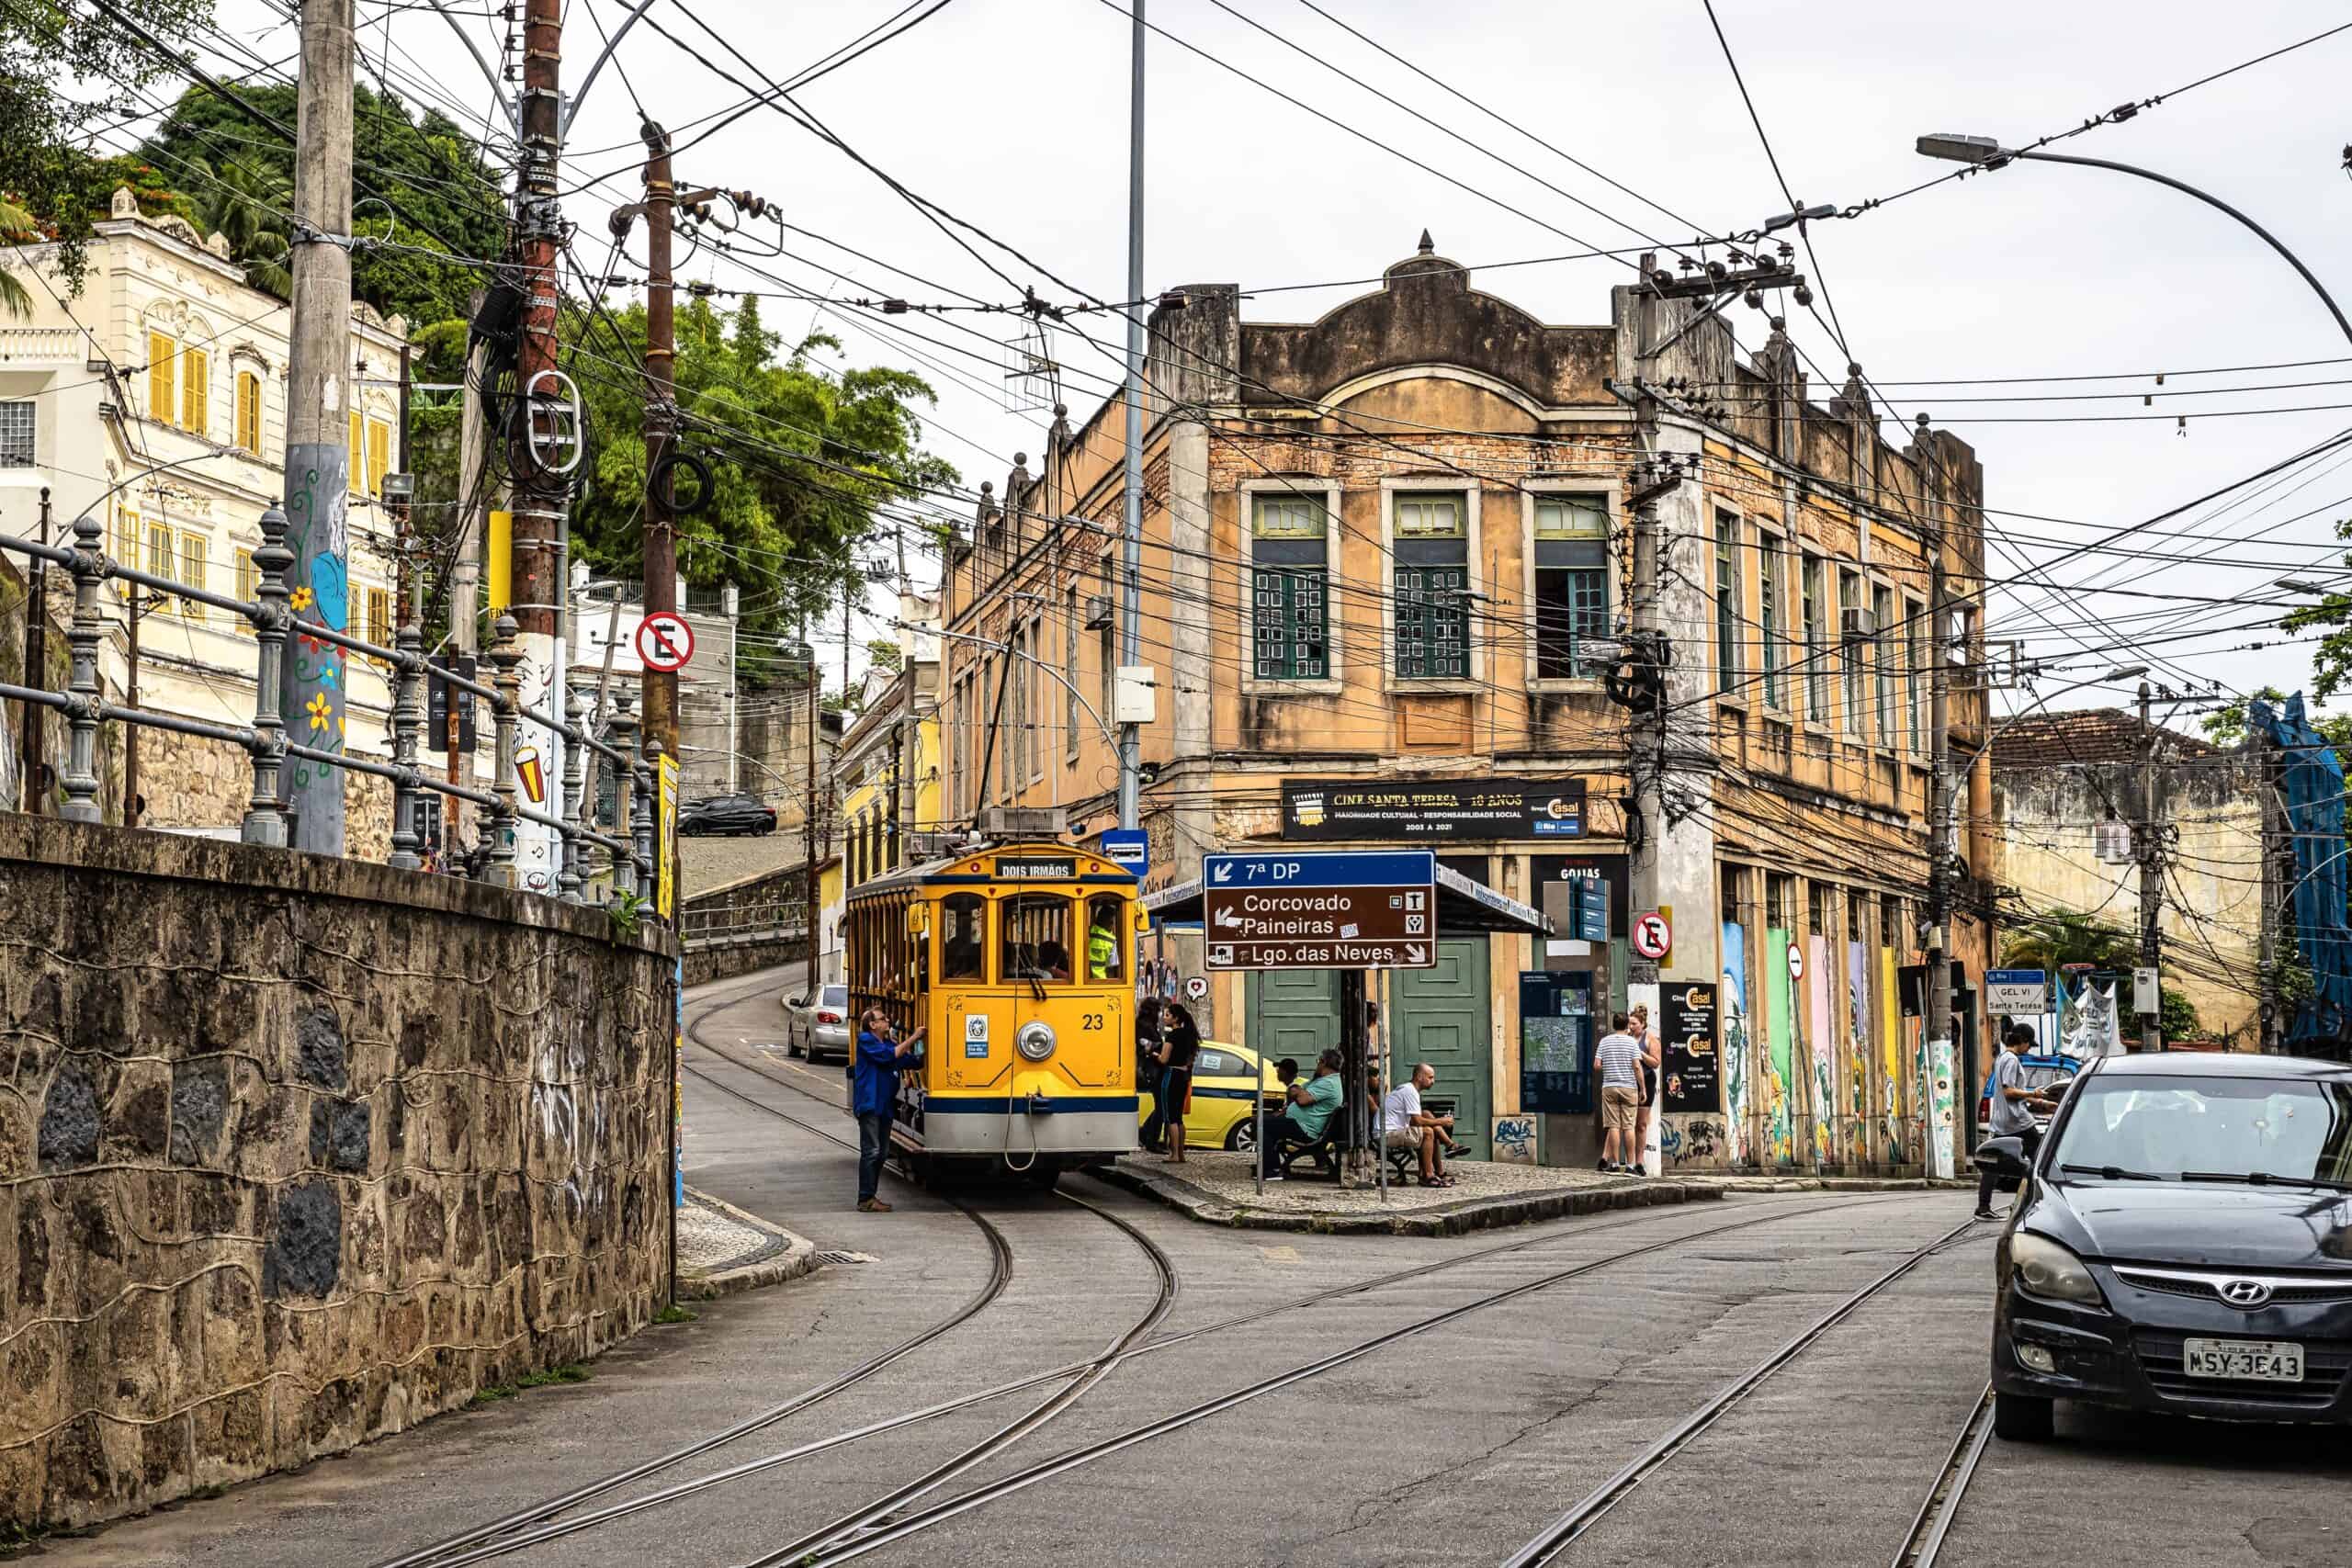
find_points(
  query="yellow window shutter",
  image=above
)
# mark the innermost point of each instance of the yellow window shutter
(192, 564)
(195, 391)
(248, 586)
(380, 455)
(358, 478)
(163, 378)
(249, 411)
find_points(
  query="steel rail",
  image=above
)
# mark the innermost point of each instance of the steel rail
(464, 1546)
(1102, 1449)
(1933, 1522)
(1564, 1532)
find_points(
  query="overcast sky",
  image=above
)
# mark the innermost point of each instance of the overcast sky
(1013, 114)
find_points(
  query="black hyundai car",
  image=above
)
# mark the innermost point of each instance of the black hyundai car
(2181, 1242)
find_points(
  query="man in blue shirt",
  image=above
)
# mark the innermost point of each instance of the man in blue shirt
(874, 1098)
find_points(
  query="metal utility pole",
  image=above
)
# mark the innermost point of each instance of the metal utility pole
(1131, 555)
(1936, 1028)
(2272, 1017)
(808, 825)
(36, 742)
(2148, 849)
(134, 603)
(660, 427)
(317, 393)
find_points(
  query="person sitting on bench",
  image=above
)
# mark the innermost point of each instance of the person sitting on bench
(1406, 1124)
(1307, 1116)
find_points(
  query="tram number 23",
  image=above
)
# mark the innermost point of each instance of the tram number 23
(1089, 1023)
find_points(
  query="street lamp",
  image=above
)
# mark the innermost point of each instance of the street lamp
(1985, 152)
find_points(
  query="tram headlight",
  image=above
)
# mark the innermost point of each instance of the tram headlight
(1034, 1041)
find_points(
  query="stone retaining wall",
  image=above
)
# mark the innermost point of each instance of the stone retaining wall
(296, 1152)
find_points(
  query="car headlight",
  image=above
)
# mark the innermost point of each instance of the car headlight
(2051, 1271)
(1036, 1041)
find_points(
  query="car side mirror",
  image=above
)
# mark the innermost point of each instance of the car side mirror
(797, 1002)
(2005, 1156)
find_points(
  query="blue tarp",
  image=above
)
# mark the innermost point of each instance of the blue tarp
(2312, 782)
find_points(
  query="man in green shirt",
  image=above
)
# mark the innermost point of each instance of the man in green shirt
(1304, 1119)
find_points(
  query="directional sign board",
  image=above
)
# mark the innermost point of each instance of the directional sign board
(1374, 910)
(664, 642)
(2017, 992)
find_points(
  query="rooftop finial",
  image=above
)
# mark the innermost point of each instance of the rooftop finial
(1429, 246)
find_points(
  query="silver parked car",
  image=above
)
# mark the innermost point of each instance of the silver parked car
(818, 1023)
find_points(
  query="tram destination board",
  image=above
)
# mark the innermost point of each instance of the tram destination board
(1427, 809)
(1374, 911)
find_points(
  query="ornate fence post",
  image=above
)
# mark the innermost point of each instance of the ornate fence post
(568, 874)
(85, 698)
(264, 822)
(408, 723)
(624, 728)
(641, 817)
(507, 656)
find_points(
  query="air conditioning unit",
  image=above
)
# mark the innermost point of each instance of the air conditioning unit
(1098, 612)
(1858, 624)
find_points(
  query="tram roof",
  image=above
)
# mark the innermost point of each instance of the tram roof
(945, 866)
(1463, 907)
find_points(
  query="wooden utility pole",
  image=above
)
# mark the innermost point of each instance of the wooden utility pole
(808, 822)
(1936, 1029)
(660, 427)
(318, 401)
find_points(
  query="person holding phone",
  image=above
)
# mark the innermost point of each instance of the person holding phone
(880, 1056)
(1179, 1044)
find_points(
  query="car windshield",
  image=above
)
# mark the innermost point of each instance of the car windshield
(2287, 1130)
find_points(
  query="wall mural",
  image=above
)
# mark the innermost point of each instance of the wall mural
(318, 531)
(1779, 1056)
(1858, 1037)
(1825, 1052)
(1734, 1053)
(1891, 1058)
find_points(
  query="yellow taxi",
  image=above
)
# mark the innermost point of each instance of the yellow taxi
(1227, 1079)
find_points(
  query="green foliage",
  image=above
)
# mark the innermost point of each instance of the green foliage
(674, 1313)
(626, 912)
(66, 72)
(2176, 1015)
(571, 1371)
(801, 457)
(883, 653)
(448, 197)
(2054, 940)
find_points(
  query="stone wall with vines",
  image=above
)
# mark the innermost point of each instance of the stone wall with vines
(294, 1152)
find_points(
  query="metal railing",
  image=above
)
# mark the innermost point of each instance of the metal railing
(777, 918)
(85, 708)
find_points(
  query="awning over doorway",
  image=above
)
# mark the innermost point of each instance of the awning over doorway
(1463, 907)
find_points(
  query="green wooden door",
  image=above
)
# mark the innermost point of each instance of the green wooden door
(1440, 1018)
(1294, 1014)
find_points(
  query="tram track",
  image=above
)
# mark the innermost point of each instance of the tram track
(513, 1531)
(1930, 1530)
(797, 1553)
(1571, 1526)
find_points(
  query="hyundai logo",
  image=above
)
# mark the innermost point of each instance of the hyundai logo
(2247, 1294)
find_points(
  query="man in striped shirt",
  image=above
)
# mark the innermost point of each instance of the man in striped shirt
(1620, 1094)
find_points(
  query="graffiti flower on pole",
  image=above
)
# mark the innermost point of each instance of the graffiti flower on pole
(303, 598)
(321, 710)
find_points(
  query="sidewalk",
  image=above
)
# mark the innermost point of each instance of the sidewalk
(723, 1249)
(1219, 1188)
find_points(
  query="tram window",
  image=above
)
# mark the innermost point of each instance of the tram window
(1105, 941)
(1037, 937)
(963, 937)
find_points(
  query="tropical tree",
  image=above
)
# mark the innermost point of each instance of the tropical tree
(2052, 941)
(240, 204)
(2226, 725)
(67, 74)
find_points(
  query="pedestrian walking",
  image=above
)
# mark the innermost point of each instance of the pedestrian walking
(1180, 1043)
(2011, 1115)
(1647, 1070)
(1618, 1060)
(874, 1098)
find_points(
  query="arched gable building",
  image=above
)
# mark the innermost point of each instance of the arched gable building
(1392, 546)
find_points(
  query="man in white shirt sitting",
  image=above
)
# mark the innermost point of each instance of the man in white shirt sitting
(1405, 1125)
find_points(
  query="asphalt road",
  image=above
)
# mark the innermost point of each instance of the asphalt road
(1451, 1445)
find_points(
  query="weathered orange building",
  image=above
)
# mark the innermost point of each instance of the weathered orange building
(1393, 545)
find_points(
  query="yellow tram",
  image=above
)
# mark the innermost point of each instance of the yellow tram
(1018, 962)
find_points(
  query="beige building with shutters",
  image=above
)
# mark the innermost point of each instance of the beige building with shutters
(154, 397)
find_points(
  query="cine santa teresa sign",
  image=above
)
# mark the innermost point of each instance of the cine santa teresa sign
(1375, 910)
